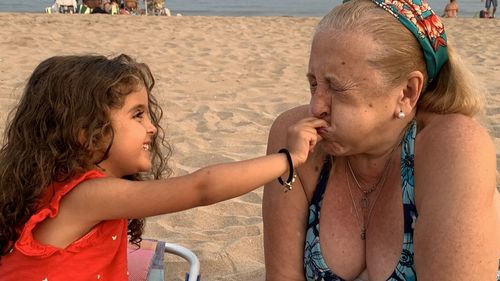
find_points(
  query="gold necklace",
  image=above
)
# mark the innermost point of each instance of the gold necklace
(365, 193)
(366, 218)
(365, 202)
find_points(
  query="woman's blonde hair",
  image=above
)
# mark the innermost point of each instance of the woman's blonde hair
(454, 90)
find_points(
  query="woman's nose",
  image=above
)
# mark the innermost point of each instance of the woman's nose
(320, 104)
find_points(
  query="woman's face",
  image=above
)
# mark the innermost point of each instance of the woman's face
(350, 93)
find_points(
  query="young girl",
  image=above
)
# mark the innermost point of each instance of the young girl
(82, 162)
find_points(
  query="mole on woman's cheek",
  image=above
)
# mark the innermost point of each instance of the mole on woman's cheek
(343, 63)
(370, 105)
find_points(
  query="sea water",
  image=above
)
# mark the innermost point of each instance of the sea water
(298, 8)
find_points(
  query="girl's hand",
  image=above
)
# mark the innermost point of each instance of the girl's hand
(303, 137)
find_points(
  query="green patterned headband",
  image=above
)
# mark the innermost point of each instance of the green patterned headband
(418, 17)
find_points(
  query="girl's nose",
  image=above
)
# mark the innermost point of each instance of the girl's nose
(151, 128)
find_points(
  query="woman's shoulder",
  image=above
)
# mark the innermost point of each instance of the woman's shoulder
(292, 115)
(285, 120)
(450, 129)
(453, 149)
(445, 138)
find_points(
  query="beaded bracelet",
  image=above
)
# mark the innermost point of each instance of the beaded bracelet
(291, 176)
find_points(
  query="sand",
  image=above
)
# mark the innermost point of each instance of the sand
(221, 82)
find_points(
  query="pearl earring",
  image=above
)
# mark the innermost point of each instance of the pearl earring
(401, 115)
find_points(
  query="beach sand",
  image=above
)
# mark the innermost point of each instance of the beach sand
(221, 82)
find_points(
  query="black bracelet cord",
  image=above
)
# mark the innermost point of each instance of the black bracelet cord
(291, 175)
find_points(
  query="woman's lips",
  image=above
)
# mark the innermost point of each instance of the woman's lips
(322, 131)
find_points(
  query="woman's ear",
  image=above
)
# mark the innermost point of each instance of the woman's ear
(408, 97)
(412, 90)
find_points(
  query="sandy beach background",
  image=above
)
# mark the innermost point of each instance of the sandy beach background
(221, 82)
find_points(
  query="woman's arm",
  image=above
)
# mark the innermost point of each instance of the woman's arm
(284, 214)
(455, 172)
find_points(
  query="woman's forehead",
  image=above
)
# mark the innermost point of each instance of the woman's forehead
(337, 47)
(338, 37)
(343, 57)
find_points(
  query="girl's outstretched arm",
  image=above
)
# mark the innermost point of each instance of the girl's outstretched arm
(113, 198)
(110, 198)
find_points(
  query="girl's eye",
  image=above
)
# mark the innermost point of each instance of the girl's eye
(139, 114)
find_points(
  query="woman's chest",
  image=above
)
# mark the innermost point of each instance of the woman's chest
(359, 233)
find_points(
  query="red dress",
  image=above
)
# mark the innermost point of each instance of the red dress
(99, 255)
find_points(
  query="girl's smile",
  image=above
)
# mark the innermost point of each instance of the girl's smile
(132, 127)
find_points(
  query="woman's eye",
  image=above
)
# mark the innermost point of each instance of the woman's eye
(336, 89)
(312, 86)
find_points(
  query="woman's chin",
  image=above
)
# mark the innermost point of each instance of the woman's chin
(333, 148)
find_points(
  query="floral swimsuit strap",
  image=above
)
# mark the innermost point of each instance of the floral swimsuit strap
(418, 17)
(405, 269)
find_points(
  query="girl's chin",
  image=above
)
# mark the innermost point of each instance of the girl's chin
(141, 169)
(145, 169)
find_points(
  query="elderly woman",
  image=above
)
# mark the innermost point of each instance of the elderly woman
(403, 182)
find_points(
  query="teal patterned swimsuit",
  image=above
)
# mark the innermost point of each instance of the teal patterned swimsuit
(314, 265)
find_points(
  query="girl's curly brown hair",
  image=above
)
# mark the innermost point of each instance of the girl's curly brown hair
(65, 96)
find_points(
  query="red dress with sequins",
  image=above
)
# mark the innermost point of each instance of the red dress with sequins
(99, 255)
